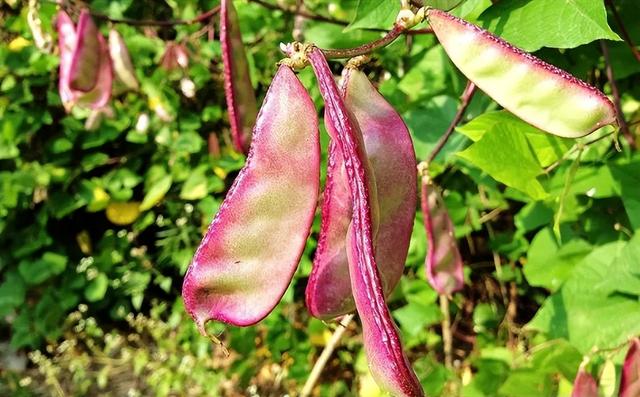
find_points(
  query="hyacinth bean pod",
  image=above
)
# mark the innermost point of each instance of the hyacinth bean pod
(630, 379)
(443, 262)
(389, 366)
(97, 97)
(537, 92)
(84, 69)
(241, 100)
(252, 248)
(66, 43)
(584, 385)
(390, 152)
(121, 60)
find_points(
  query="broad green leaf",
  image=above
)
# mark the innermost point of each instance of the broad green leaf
(97, 288)
(548, 264)
(374, 14)
(547, 148)
(39, 270)
(598, 305)
(527, 383)
(428, 123)
(12, 293)
(504, 153)
(156, 193)
(628, 187)
(533, 24)
(195, 187)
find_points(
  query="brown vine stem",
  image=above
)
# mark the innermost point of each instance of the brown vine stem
(366, 48)
(624, 128)
(300, 12)
(623, 29)
(447, 338)
(152, 22)
(325, 355)
(466, 97)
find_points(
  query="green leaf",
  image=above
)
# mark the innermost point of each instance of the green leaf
(628, 187)
(156, 192)
(547, 148)
(12, 293)
(504, 153)
(37, 271)
(97, 288)
(549, 265)
(533, 24)
(374, 14)
(598, 305)
(195, 187)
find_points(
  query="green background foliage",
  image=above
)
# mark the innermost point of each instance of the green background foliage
(97, 227)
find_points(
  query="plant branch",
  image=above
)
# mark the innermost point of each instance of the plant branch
(300, 12)
(623, 30)
(616, 97)
(366, 48)
(447, 339)
(152, 22)
(466, 97)
(576, 147)
(325, 355)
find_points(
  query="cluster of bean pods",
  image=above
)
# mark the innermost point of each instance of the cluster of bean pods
(252, 248)
(585, 385)
(88, 64)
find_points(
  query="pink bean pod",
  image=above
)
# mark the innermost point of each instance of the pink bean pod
(389, 150)
(121, 59)
(584, 385)
(443, 262)
(537, 92)
(85, 64)
(241, 100)
(100, 94)
(252, 248)
(630, 379)
(389, 366)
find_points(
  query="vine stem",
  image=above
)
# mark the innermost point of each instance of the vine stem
(325, 355)
(447, 338)
(299, 12)
(466, 97)
(152, 22)
(624, 128)
(623, 29)
(364, 49)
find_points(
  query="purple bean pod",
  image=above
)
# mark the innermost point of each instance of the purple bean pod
(630, 379)
(443, 262)
(252, 248)
(389, 150)
(241, 100)
(388, 364)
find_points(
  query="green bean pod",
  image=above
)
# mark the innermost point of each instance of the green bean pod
(537, 92)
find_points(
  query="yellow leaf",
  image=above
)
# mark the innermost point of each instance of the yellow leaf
(123, 213)
(18, 44)
(84, 242)
(99, 200)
